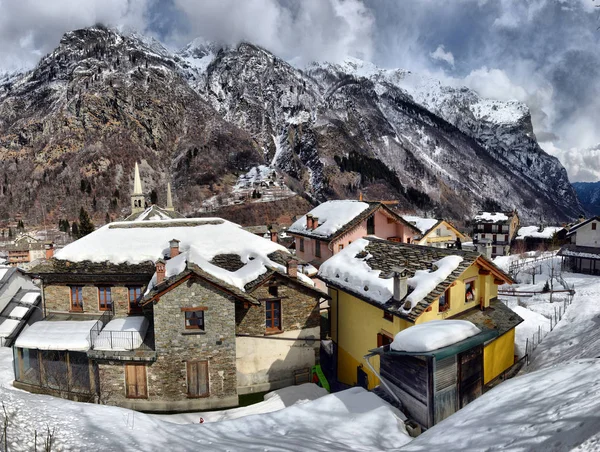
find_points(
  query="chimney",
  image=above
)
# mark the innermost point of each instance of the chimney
(292, 268)
(485, 249)
(274, 236)
(49, 247)
(315, 222)
(173, 248)
(400, 275)
(160, 271)
(309, 221)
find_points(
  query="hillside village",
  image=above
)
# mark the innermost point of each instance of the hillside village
(407, 321)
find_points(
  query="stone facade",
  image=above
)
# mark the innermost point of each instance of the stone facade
(267, 360)
(57, 298)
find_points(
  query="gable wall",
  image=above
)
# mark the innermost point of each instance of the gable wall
(585, 236)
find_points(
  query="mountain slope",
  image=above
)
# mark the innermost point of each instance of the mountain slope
(343, 128)
(103, 100)
(99, 102)
(589, 195)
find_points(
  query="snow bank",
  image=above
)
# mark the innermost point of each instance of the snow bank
(532, 323)
(424, 281)
(353, 273)
(534, 232)
(552, 409)
(491, 216)
(433, 335)
(422, 224)
(332, 215)
(61, 335)
(122, 334)
(354, 419)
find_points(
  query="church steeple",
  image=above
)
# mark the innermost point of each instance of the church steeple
(137, 197)
(169, 198)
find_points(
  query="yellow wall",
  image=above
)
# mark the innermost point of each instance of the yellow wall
(356, 323)
(498, 356)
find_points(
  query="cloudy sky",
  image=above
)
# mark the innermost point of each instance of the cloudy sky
(543, 52)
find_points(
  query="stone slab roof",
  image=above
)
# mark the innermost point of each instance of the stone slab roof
(497, 317)
(385, 255)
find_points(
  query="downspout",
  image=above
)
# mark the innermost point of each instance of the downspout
(381, 380)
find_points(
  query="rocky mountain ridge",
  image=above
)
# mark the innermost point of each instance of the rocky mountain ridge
(201, 117)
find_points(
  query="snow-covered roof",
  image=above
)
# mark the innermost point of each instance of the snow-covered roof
(30, 297)
(59, 335)
(122, 334)
(8, 326)
(18, 312)
(332, 215)
(534, 232)
(363, 268)
(433, 335)
(422, 224)
(491, 217)
(138, 242)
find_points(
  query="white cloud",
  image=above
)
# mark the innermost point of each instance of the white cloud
(441, 55)
(299, 31)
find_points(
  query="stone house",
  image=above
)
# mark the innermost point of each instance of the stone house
(170, 315)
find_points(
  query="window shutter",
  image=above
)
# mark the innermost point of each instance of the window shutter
(192, 379)
(142, 390)
(203, 378)
(379, 339)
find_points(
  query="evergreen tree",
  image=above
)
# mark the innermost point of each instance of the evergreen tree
(153, 197)
(94, 204)
(20, 225)
(107, 218)
(85, 223)
(10, 233)
(75, 230)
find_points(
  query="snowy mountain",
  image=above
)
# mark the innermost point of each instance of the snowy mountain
(209, 113)
(589, 195)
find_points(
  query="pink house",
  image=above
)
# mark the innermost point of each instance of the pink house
(331, 226)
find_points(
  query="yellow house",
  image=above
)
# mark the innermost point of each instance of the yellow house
(379, 288)
(434, 232)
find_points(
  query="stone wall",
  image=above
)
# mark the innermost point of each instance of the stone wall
(267, 361)
(57, 298)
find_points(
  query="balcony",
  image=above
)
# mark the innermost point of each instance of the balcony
(127, 339)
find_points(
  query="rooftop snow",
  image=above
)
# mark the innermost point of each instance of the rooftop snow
(534, 232)
(7, 327)
(133, 243)
(332, 216)
(18, 312)
(491, 216)
(122, 334)
(62, 335)
(422, 224)
(30, 297)
(354, 273)
(433, 335)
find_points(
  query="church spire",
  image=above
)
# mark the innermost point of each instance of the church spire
(169, 198)
(137, 182)
(138, 202)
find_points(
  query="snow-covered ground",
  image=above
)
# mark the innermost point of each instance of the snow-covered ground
(554, 409)
(349, 420)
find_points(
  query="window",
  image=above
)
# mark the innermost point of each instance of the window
(494, 228)
(371, 225)
(593, 226)
(136, 386)
(273, 315)
(302, 245)
(388, 316)
(469, 290)
(135, 294)
(105, 299)
(194, 318)
(384, 338)
(444, 301)
(438, 232)
(340, 247)
(317, 248)
(76, 298)
(197, 378)
(494, 238)
(274, 291)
